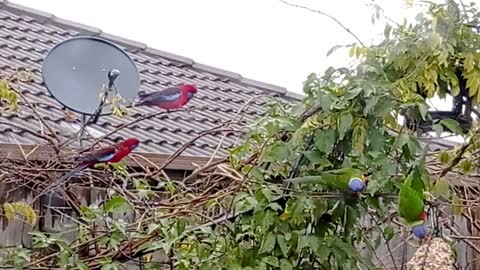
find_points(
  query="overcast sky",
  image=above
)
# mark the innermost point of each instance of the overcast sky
(264, 40)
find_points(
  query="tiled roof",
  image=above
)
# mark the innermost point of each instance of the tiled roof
(26, 35)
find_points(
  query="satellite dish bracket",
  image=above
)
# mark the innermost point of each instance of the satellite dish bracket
(112, 75)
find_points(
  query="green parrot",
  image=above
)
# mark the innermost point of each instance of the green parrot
(411, 204)
(343, 180)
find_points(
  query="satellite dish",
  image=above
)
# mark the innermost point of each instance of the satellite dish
(76, 70)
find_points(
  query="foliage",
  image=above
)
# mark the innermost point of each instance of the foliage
(7, 95)
(287, 204)
(22, 209)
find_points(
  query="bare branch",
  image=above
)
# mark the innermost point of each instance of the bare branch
(329, 16)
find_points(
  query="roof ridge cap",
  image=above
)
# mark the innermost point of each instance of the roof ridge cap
(136, 46)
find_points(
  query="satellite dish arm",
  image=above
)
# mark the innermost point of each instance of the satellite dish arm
(112, 75)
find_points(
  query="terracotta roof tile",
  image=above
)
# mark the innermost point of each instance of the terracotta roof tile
(26, 36)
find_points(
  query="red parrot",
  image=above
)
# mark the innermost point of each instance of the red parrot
(169, 98)
(109, 154)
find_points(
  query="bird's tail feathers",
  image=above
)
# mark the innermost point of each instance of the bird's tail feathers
(140, 99)
(63, 179)
(72, 173)
(142, 93)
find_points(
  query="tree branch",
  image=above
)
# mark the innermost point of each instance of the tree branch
(329, 16)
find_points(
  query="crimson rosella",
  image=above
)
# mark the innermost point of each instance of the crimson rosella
(109, 154)
(169, 98)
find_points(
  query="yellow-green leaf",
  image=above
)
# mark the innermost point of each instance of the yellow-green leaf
(457, 205)
(441, 188)
(468, 62)
(344, 124)
(352, 50)
(358, 138)
(466, 166)
(117, 204)
(4, 85)
(22, 209)
(454, 83)
(444, 157)
(9, 212)
(452, 125)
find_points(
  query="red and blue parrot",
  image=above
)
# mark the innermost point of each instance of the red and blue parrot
(109, 154)
(170, 98)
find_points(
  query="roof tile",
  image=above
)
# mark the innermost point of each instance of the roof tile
(279, 89)
(38, 15)
(80, 28)
(218, 71)
(130, 44)
(171, 56)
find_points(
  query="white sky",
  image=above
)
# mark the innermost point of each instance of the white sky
(264, 40)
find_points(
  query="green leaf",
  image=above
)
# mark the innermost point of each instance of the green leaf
(268, 243)
(117, 204)
(444, 157)
(401, 140)
(438, 129)
(469, 63)
(376, 139)
(358, 138)
(82, 266)
(256, 173)
(298, 109)
(457, 205)
(413, 145)
(323, 251)
(314, 156)
(285, 265)
(326, 102)
(389, 233)
(344, 124)
(466, 166)
(282, 243)
(278, 151)
(383, 107)
(352, 50)
(352, 93)
(152, 227)
(452, 125)
(441, 188)
(454, 83)
(270, 260)
(386, 31)
(333, 49)
(324, 140)
(423, 109)
(303, 241)
(370, 104)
